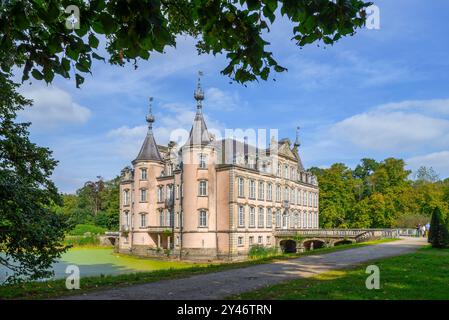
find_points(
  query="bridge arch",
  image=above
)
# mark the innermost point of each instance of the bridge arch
(343, 241)
(310, 244)
(288, 246)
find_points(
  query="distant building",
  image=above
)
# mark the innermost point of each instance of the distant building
(213, 199)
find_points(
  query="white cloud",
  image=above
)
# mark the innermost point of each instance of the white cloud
(439, 161)
(53, 107)
(217, 99)
(411, 125)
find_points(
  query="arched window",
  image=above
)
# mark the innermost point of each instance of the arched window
(203, 219)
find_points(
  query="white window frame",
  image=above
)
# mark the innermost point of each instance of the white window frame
(269, 223)
(202, 163)
(252, 217)
(126, 197)
(261, 218)
(241, 187)
(252, 189)
(143, 220)
(143, 195)
(261, 190)
(143, 174)
(241, 216)
(202, 219)
(202, 188)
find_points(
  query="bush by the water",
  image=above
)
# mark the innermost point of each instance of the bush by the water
(439, 229)
(259, 251)
(83, 229)
(82, 240)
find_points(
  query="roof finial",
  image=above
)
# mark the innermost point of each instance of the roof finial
(199, 93)
(150, 117)
(297, 142)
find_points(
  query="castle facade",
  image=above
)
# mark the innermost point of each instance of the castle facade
(213, 199)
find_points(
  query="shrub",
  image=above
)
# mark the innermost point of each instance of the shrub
(259, 251)
(82, 229)
(439, 232)
(82, 240)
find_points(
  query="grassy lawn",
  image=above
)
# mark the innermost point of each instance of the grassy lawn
(56, 288)
(420, 275)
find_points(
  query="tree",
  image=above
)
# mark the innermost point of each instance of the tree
(438, 233)
(426, 174)
(31, 233)
(34, 34)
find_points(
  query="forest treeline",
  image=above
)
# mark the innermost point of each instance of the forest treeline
(372, 195)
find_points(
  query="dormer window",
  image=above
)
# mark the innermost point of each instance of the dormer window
(143, 174)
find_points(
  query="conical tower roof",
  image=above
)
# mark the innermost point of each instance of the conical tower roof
(149, 150)
(199, 135)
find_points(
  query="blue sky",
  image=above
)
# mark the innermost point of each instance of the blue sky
(378, 94)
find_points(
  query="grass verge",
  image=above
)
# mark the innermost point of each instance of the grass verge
(56, 288)
(421, 275)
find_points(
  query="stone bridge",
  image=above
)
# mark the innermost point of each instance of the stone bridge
(294, 240)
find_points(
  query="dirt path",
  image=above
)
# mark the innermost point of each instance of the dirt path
(225, 283)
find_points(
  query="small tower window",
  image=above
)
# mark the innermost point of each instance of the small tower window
(126, 197)
(202, 161)
(143, 174)
(143, 195)
(202, 190)
(203, 219)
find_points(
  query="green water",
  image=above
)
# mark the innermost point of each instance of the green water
(98, 261)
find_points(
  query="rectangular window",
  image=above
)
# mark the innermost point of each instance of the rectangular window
(126, 222)
(286, 172)
(259, 239)
(286, 194)
(202, 188)
(269, 218)
(251, 240)
(278, 218)
(143, 174)
(241, 187)
(269, 192)
(268, 240)
(177, 220)
(203, 219)
(160, 194)
(126, 197)
(241, 217)
(278, 193)
(279, 170)
(202, 161)
(143, 220)
(240, 241)
(143, 195)
(252, 189)
(252, 217)
(304, 198)
(261, 190)
(260, 219)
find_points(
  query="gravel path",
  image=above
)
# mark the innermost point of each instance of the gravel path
(221, 284)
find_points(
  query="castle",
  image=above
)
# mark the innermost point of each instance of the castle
(213, 199)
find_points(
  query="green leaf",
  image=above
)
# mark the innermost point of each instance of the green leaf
(37, 74)
(79, 80)
(93, 41)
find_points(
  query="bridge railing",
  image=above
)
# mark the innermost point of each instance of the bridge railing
(350, 233)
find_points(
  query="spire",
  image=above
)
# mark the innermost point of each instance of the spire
(199, 135)
(297, 142)
(149, 150)
(199, 94)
